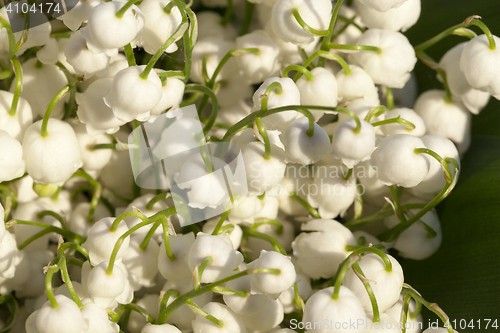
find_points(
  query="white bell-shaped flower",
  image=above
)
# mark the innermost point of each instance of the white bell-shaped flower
(262, 174)
(10, 256)
(315, 13)
(29, 279)
(78, 221)
(297, 180)
(386, 286)
(235, 233)
(74, 18)
(142, 264)
(11, 157)
(150, 303)
(434, 182)
(383, 5)
(323, 241)
(300, 147)
(273, 283)
(66, 318)
(346, 309)
(289, 96)
(393, 65)
(84, 61)
(54, 158)
(214, 48)
(224, 258)
(451, 120)
(101, 241)
(205, 188)
(400, 18)
(132, 97)
(352, 147)
(285, 237)
(245, 306)
(479, 64)
(233, 323)
(320, 90)
(350, 34)
(358, 84)
(474, 100)
(141, 204)
(97, 318)
(397, 163)
(40, 85)
(105, 32)
(269, 317)
(210, 25)
(287, 298)
(171, 95)
(257, 67)
(245, 209)
(158, 25)
(406, 114)
(417, 242)
(93, 112)
(104, 288)
(330, 192)
(165, 328)
(180, 245)
(93, 160)
(14, 125)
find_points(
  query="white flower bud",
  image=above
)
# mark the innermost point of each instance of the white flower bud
(171, 95)
(382, 5)
(177, 269)
(142, 264)
(150, 303)
(158, 25)
(407, 114)
(289, 96)
(397, 163)
(132, 97)
(105, 32)
(474, 100)
(209, 25)
(10, 256)
(97, 318)
(273, 283)
(215, 48)
(54, 158)
(245, 306)
(104, 288)
(392, 67)
(353, 147)
(40, 85)
(101, 241)
(347, 308)
(416, 241)
(224, 258)
(296, 181)
(326, 241)
(11, 157)
(93, 112)
(450, 120)
(14, 125)
(245, 209)
(287, 298)
(358, 84)
(232, 322)
(315, 13)
(386, 286)
(269, 316)
(321, 90)
(235, 233)
(262, 174)
(66, 318)
(29, 279)
(479, 64)
(399, 18)
(256, 245)
(260, 66)
(84, 62)
(141, 204)
(165, 328)
(301, 148)
(74, 18)
(93, 160)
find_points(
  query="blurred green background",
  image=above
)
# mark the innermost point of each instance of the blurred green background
(463, 277)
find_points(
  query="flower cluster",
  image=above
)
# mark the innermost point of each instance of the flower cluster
(344, 163)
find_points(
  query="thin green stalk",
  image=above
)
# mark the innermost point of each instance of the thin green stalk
(369, 290)
(123, 216)
(389, 98)
(119, 14)
(276, 223)
(278, 90)
(10, 35)
(198, 271)
(333, 21)
(222, 219)
(299, 69)
(249, 9)
(149, 235)
(228, 14)
(306, 205)
(263, 133)
(473, 20)
(375, 112)
(166, 240)
(129, 54)
(307, 27)
(380, 253)
(248, 232)
(355, 47)
(48, 286)
(58, 217)
(398, 120)
(397, 204)
(200, 312)
(19, 85)
(68, 245)
(66, 279)
(65, 233)
(342, 271)
(326, 55)
(215, 104)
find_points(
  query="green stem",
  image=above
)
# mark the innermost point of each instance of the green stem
(454, 30)
(343, 268)
(277, 88)
(166, 239)
(198, 271)
(277, 224)
(217, 229)
(398, 120)
(228, 14)
(306, 205)
(225, 59)
(129, 53)
(371, 294)
(165, 297)
(389, 98)
(168, 8)
(155, 199)
(103, 146)
(299, 69)
(10, 35)
(397, 204)
(68, 245)
(58, 217)
(380, 253)
(375, 112)
(322, 54)
(119, 14)
(248, 232)
(48, 286)
(333, 21)
(123, 216)
(474, 21)
(200, 312)
(65, 233)
(149, 235)
(263, 133)
(442, 73)
(96, 196)
(355, 47)
(183, 27)
(164, 75)
(60, 95)
(19, 85)
(66, 279)
(431, 63)
(215, 104)
(307, 27)
(351, 114)
(226, 291)
(444, 164)
(249, 9)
